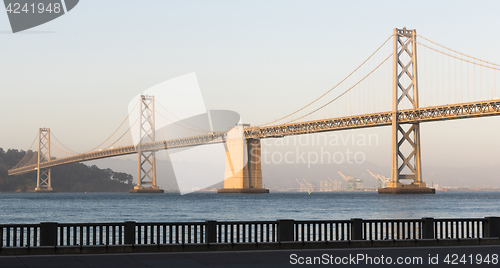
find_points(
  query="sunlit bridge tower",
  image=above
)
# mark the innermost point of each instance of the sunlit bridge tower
(406, 155)
(146, 165)
(43, 180)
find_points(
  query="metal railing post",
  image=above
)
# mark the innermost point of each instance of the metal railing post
(428, 228)
(129, 233)
(210, 232)
(357, 229)
(48, 234)
(492, 227)
(286, 230)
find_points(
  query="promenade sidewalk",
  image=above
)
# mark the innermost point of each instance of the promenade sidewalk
(266, 258)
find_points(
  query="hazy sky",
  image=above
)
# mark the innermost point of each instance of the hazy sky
(263, 59)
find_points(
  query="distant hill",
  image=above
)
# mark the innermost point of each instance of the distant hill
(75, 177)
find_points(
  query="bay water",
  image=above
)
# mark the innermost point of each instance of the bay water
(117, 207)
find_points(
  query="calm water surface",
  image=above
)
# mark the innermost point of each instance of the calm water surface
(112, 207)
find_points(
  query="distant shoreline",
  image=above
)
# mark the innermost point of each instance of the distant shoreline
(271, 192)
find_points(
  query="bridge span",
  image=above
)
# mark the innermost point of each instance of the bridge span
(426, 114)
(404, 118)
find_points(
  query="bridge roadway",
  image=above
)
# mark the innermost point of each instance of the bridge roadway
(474, 256)
(420, 115)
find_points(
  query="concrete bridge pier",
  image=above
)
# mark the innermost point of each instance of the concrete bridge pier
(243, 174)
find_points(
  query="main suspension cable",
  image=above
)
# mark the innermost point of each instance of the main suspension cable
(52, 135)
(458, 52)
(449, 55)
(180, 120)
(125, 132)
(343, 92)
(201, 130)
(331, 88)
(26, 154)
(59, 149)
(116, 129)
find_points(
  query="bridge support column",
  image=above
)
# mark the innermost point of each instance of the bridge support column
(43, 179)
(243, 173)
(146, 159)
(405, 138)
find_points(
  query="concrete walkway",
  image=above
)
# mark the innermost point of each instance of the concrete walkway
(267, 258)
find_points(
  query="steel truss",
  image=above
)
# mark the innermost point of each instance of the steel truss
(405, 89)
(146, 159)
(420, 115)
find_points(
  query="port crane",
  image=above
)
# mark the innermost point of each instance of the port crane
(311, 187)
(336, 184)
(352, 183)
(303, 187)
(382, 180)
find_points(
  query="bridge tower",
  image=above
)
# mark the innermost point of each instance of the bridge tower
(146, 165)
(405, 137)
(43, 180)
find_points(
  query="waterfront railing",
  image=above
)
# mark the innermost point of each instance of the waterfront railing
(213, 232)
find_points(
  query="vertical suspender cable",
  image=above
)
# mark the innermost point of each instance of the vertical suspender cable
(468, 83)
(481, 81)
(474, 88)
(461, 81)
(488, 93)
(350, 103)
(437, 81)
(429, 57)
(456, 89)
(360, 95)
(444, 75)
(449, 80)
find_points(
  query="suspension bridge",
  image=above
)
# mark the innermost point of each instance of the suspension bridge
(451, 85)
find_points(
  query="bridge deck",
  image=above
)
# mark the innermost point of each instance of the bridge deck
(261, 258)
(420, 115)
